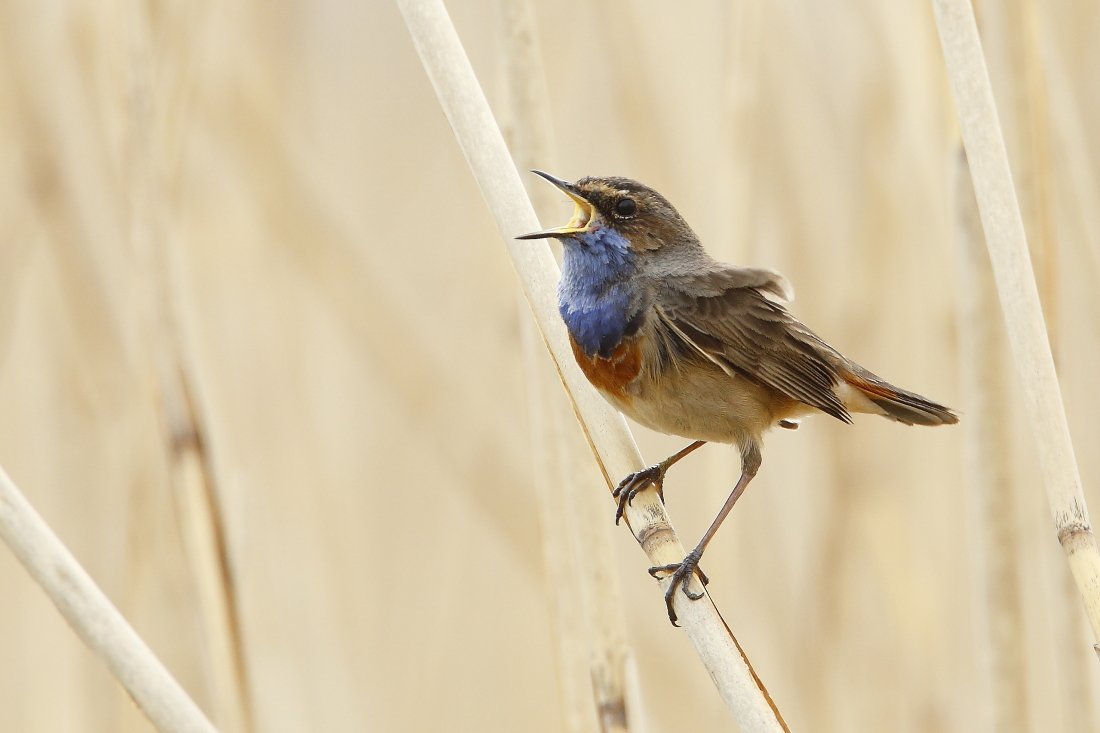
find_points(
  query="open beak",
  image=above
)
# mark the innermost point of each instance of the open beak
(582, 215)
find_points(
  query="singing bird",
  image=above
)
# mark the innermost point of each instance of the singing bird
(689, 346)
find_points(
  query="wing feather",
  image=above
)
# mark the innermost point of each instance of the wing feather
(725, 315)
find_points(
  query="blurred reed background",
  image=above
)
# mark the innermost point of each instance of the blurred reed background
(262, 365)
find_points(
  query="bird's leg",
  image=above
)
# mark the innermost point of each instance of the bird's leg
(639, 481)
(682, 571)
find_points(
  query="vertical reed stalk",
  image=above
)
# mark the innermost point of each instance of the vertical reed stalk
(1010, 33)
(94, 618)
(601, 601)
(1007, 244)
(991, 491)
(1070, 143)
(549, 482)
(203, 535)
(464, 103)
(155, 320)
(738, 140)
(523, 96)
(578, 520)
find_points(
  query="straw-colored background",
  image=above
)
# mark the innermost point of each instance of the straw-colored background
(261, 204)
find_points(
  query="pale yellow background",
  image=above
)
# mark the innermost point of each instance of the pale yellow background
(348, 315)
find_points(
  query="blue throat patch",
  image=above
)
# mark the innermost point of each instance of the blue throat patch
(596, 296)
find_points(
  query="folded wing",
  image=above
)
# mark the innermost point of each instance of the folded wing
(726, 317)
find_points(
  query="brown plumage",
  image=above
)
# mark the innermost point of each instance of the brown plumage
(689, 346)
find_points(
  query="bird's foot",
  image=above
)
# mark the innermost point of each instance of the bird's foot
(681, 577)
(636, 483)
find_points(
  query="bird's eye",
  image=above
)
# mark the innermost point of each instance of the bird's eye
(625, 207)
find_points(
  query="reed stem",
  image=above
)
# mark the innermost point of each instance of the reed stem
(1007, 244)
(94, 618)
(588, 600)
(616, 452)
(990, 487)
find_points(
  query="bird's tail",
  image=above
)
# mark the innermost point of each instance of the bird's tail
(897, 404)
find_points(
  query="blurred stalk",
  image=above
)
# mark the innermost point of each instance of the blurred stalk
(549, 481)
(191, 476)
(575, 530)
(736, 145)
(1072, 152)
(94, 618)
(1011, 38)
(1019, 297)
(155, 312)
(995, 531)
(464, 103)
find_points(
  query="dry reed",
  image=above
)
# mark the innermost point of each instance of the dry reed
(1010, 36)
(468, 112)
(590, 604)
(94, 618)
(155, 274)
(1007, 244)
(990, 488)
(529, 139)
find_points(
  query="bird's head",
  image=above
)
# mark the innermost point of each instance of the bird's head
(639, 214)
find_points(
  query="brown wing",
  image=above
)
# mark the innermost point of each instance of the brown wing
(742, 331)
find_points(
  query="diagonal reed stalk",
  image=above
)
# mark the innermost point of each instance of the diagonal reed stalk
(1007, 244)
(464, 103)
(94, 618)
(1010, 33)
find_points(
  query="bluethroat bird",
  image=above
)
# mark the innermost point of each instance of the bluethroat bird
(686, 345)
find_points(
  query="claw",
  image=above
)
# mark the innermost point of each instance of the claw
(689, 594)
(636, 483)
(681, 574)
